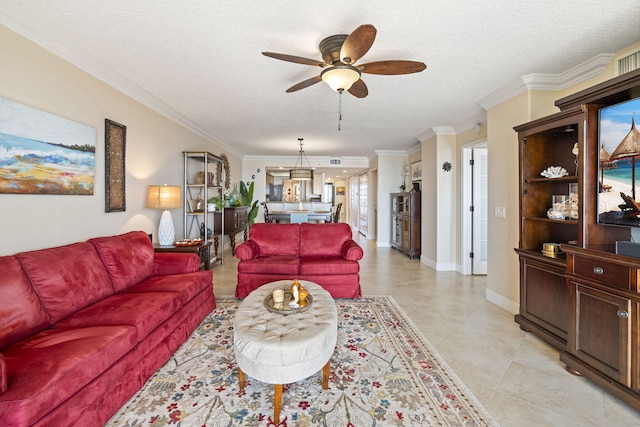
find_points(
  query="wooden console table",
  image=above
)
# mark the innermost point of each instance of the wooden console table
(202, 250)
(235, 220)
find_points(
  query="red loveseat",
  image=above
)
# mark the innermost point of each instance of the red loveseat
(322, 253)
(83, 326)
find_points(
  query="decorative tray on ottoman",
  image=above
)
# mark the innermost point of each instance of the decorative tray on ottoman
(283, 308)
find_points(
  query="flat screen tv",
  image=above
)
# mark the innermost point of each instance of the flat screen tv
(619, 164)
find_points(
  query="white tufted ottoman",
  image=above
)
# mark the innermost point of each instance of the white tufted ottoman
(278, 349)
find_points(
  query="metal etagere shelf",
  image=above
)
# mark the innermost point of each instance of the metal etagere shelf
(203, 179)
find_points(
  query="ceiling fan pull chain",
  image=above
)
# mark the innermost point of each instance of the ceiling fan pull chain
(339, 109)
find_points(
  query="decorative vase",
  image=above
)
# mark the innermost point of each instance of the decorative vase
(234, 197)
(295, 284)
(302, 295)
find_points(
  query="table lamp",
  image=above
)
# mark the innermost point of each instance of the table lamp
(164, 197)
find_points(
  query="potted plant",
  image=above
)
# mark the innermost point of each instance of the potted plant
(215, 204)
(246, 194)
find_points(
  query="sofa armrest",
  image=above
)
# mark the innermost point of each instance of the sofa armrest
(351, 251)
(165, 263)
(247, 250)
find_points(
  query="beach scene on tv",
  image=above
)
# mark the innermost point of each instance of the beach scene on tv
(619, 170)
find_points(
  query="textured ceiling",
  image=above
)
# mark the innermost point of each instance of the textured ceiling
(199, 61)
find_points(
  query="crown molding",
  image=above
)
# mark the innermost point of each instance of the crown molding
(314, 161)
(479, 117)
(415, 149)
(444, 130)
(539, 81)
(588, 69)
(425, 136)
(502, 95)
(390, 152)
(24, 25)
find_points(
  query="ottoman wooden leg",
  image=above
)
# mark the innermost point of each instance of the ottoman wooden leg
(277, 401)
(325, 375)
(241, 378)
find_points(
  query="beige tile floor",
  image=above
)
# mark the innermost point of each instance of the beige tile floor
(516, 376)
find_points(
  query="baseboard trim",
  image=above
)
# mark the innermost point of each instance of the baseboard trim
(502, 302)
(427, 261)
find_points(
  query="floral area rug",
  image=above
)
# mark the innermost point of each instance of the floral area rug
(383, 373)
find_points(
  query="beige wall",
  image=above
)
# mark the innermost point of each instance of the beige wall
(502, 262)
(32, 76)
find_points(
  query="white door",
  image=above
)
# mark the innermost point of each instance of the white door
(363, 208)
(480, 211)
(354, 202)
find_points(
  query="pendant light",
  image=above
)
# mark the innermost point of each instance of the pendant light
(300, 173)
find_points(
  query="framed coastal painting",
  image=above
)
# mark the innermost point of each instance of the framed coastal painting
(41, 153)
(340, 191)
(416, 171)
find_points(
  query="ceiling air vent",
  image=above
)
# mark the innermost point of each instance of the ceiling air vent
(628, 63)
(335, 161)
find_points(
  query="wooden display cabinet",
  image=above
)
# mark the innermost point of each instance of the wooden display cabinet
(405, 223)
(603, 329)
(543, 143)
(586, 302)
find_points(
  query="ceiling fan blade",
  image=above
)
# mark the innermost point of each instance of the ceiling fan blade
(357, 44)
(295, 59)
(359, 89)
(305, 83)
(392, 67)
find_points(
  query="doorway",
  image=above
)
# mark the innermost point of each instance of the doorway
(475, 217)
(363, 204)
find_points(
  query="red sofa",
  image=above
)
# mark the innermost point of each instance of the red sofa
(322, 253)
(83, 326)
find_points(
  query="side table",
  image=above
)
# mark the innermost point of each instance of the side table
(203, 250)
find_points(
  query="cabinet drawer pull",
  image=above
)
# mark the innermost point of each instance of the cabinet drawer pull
(623, 314)
(598, 270)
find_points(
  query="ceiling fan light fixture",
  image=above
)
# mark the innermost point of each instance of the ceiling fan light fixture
(340, 77)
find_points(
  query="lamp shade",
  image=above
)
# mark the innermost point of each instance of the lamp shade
(164, 197)
(300, 174)
(340, 77)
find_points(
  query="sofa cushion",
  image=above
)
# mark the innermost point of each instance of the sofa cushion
(128, 257)
(187, 285)
(144, 311)
(276, 239)
(66, 278)
(21, 313)
(175, 263)
(49, 367)
(323, 265)
(323, 239)
(270, 265)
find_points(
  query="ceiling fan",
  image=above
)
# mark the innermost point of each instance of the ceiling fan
(340, 53)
